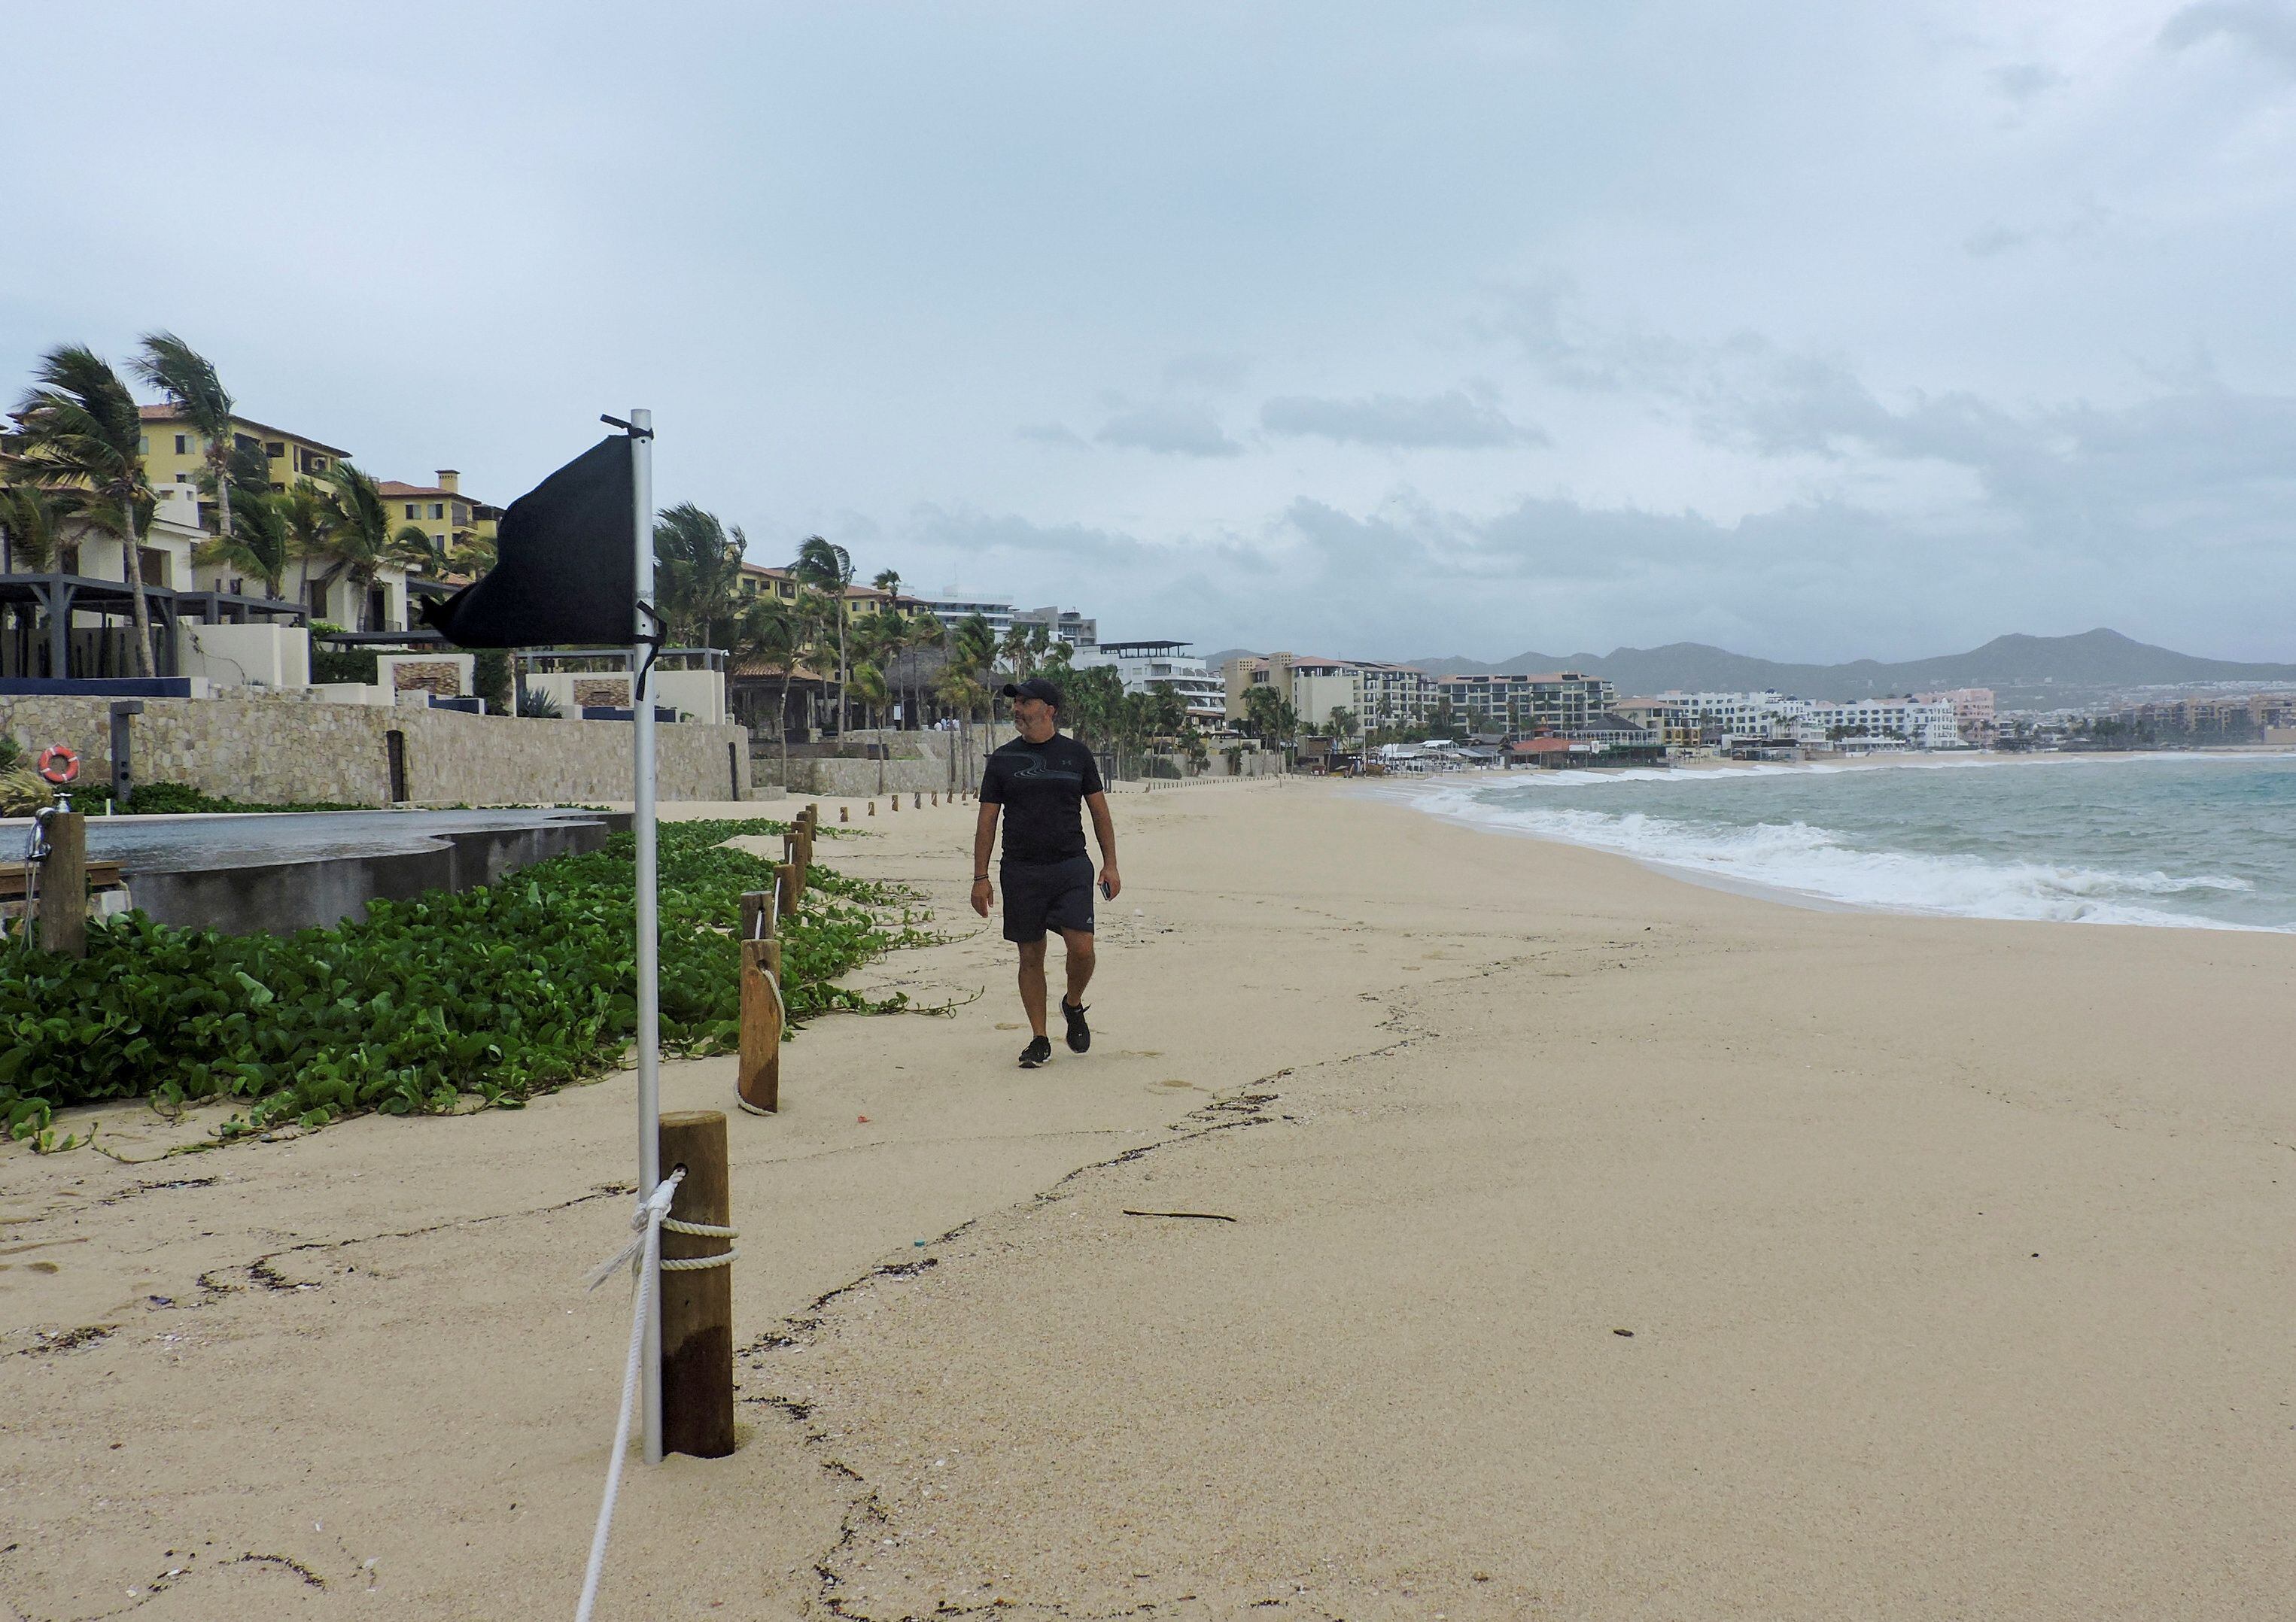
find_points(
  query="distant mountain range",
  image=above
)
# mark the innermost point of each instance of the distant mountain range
(2024, 671)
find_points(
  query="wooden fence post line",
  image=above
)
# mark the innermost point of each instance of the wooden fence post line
(758, 1080)
(697, 1306)
(63, 886)
(787, 882)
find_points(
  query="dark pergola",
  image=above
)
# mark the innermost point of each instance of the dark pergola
(57, 596)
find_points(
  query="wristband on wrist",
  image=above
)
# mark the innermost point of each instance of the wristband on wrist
(980, 878)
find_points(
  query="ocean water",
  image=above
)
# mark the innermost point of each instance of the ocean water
(2180, 840)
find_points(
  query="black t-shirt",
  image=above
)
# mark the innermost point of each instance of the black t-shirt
(1042, 787)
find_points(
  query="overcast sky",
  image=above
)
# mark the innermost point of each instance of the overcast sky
(1814, 332)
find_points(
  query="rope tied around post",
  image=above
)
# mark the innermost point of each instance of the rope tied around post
(645, 1251)
(700, 1229)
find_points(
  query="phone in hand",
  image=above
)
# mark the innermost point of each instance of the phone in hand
(1106, 893)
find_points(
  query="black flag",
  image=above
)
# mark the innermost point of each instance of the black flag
(566, 567)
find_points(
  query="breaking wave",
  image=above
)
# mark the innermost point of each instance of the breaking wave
(1803, 859)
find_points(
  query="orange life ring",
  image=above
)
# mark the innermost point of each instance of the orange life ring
(59, 764)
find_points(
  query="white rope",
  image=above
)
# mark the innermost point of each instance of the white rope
(646, 1247)
(697, 1263)
(700, 1229)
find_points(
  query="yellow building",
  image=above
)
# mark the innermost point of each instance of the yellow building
(759, 580)
(440, 511)
(176, 453)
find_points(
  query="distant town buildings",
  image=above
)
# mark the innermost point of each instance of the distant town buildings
(1062, 625)
(953, 609)
(1144, 666)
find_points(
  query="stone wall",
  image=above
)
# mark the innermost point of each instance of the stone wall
(921, 762)
(275, 748)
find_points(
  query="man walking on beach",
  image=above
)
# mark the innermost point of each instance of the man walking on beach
(1040, 781)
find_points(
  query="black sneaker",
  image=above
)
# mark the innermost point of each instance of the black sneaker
(1039, 1049)
(1079, 1033)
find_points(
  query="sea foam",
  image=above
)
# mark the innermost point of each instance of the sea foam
(1806, 860)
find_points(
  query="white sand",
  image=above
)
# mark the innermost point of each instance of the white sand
(1476, 1103)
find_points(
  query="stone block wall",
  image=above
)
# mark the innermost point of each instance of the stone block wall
(272, 749)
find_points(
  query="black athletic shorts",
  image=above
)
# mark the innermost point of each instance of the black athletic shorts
(1039, 896)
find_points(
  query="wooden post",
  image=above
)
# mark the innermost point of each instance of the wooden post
(843, 813)
(63, 886)
(788, 884)
(697, 1306)
(758, 1080)
(895, 803)
(916, 802)
(873, 808)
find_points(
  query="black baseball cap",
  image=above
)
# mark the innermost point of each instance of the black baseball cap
(1035, 687)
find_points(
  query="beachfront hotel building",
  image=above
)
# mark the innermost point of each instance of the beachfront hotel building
(440, 511)
(1375, 693)
(1774, 717)
(1062, 625)
(1973, 712)
(1560, 701)
(174, 453)
(953, 609)
(1142, 667)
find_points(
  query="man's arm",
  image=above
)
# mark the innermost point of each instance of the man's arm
(1104, 828)
(984, 843)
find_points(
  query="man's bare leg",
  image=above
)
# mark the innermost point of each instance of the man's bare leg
(1033, 983)
(1079, 966)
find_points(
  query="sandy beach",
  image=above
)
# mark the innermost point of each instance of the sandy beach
(1602, 1246)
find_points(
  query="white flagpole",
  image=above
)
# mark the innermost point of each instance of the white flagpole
(642, 824)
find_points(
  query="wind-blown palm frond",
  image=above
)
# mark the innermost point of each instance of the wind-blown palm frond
(359, 537)
(261, 542)
(81, 432)
(415, 547)
(30, 516)
(189, 379)
(697, 566)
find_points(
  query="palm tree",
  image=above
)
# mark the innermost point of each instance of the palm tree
(258, 542)
(32, 518)
(185, 377)
(80, 431)
(304, 509)
(828, 567)
(869, 683)
(359, 540)
(771, 632)
(888, 581)
(697, 568)
(919, 631)
(414, 548)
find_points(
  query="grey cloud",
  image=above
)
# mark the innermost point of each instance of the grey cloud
(1174, 431)
(2266, 29)
(1987, 240)
(2204, 460)
(2023, 81)
(1454, 419)
(1206, 370)
(1051, 433)
(1538, 317)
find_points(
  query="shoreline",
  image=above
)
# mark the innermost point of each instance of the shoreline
(1415, 790)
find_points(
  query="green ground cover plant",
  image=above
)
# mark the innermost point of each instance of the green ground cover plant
(488, 996)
